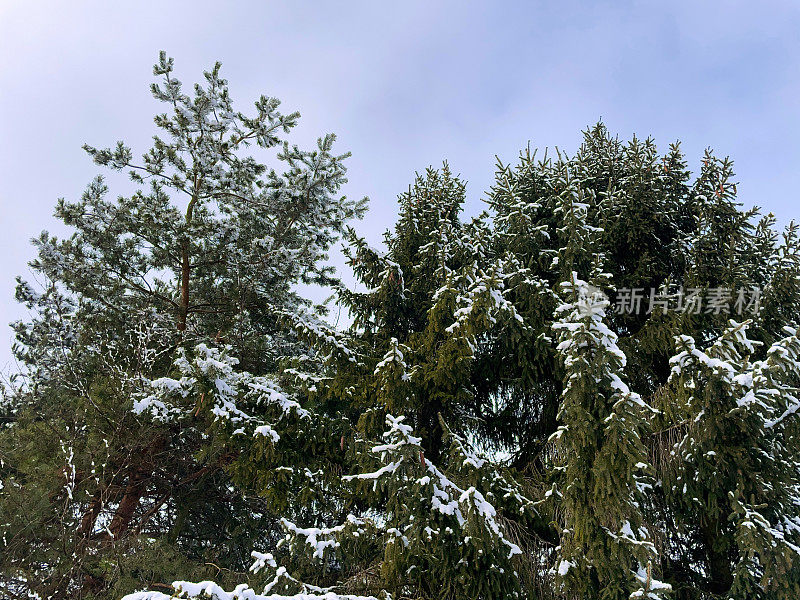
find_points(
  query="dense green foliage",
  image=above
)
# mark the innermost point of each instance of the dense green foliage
(96, 498)
(494, 423)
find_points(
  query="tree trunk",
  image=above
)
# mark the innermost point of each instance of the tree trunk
(140, 471)
(183, 311)
(720, 574)
(137, 484)
(90, 516)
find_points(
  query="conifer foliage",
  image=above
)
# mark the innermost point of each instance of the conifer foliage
(112, 472)
(529, 404)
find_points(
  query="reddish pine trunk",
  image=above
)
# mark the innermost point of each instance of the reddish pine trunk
(137, 484)
(183, 311)
(90, 516)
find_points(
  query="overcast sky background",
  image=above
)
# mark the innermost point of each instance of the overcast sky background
(403, 84)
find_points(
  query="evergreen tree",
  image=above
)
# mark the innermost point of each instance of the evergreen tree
(605, 549)
(488, 427)
(734, 479)
(98, 498)
(458, 323)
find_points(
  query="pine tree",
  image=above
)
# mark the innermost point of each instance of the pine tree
(99, 498)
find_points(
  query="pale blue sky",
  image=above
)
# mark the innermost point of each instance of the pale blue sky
(403, 84)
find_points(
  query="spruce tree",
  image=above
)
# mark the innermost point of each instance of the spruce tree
(495, 423)
(498, 332)
(734, 479)
(605, 549)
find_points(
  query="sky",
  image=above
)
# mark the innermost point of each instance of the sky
(404, 85)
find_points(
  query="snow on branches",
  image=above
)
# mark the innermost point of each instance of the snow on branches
(604, 542)
(735, 415)
(208, 381)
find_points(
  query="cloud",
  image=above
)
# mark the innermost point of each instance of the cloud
(404, 85)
